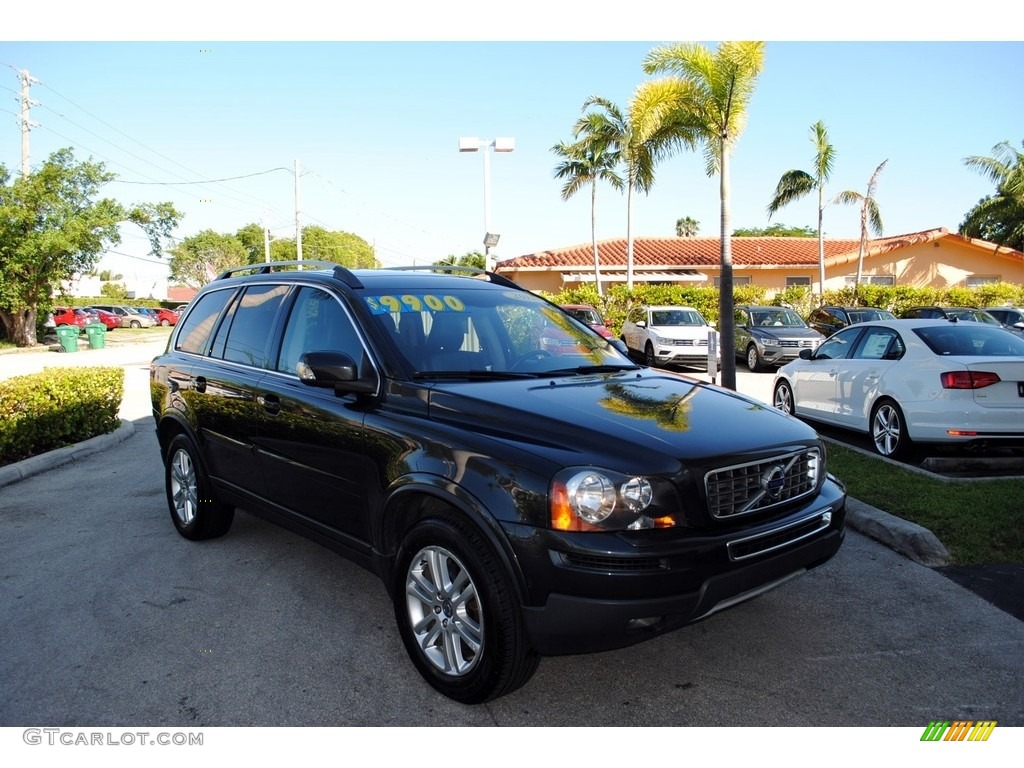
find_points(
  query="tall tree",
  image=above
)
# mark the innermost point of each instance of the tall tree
(652, 129)
(687, 227)
(588, 160)
(796, 184)
(999, 218)
(715, 88)
(198, 259)
(870, 216)
(473, 259)
(53, 227)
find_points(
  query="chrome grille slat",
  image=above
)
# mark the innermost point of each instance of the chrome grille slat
(758, 485)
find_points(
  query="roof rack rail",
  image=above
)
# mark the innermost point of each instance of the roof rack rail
(343, 274)
(451, 268)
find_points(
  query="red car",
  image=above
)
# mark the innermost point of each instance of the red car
(72, 316)
(166, 316)
(587, 314)
(109, 319)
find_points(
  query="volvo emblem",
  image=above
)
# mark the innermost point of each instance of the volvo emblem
(774, 480)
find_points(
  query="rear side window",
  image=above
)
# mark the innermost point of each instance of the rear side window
(247, 335)
(195, 332)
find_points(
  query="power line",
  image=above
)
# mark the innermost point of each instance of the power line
(208, 181)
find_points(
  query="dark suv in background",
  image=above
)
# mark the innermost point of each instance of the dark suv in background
(828, 320)
(515, 501)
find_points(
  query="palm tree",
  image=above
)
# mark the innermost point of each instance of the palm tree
(869, 215)
(591, 158)
(650, 131)
(795, 184)
(715, 88)
(999, 217)
(687, 227)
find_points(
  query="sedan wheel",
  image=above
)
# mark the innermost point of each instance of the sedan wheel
(135, 324)
(888, 430)
(784, 397)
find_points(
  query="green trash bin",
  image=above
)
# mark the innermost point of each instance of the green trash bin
(68, 337)
(97, 333)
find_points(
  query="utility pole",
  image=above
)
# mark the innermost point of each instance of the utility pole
(298, 215)
(266, 236)
(26, 123)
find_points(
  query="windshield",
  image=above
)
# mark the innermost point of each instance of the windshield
(870, 315)
(676, 317)
(973, 315)
(971, 340)
(777, 317)
(588, 316)
(489, 332)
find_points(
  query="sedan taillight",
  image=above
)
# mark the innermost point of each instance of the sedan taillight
(968, 379)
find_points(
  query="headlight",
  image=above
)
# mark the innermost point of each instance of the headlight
(600, 500)
(770, 341)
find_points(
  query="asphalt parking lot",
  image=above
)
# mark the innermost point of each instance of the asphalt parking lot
(110, 618)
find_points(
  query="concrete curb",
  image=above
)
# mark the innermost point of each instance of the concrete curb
(21, 470)
(909, 539)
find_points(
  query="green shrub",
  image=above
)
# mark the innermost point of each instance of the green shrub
(57, 407)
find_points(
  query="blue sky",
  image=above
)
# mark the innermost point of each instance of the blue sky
(375, 127)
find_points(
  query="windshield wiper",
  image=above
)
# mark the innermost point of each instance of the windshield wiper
(594, 369)
(474, 375)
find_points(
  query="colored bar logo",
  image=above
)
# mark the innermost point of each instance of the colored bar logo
(958, 730)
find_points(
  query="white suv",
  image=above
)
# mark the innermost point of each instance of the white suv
(666, 335)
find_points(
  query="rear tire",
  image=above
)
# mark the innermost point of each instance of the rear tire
(458, 614)
(195, 511)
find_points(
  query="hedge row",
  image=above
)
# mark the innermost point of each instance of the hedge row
(618, 301)
(57, 407)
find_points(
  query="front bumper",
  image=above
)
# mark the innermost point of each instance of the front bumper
(618, 591)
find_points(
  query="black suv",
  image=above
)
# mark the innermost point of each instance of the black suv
(521, 486)
(828, 320)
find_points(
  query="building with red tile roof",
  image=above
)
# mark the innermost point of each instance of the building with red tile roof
(934, 257)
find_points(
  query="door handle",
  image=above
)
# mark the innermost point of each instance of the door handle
(271, 403)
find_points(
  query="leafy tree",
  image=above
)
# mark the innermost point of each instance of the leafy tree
(714, 88)
(775, 230)
(114, 290)
(53, 226)
(591, 158)
(650, 131)
(107, 275)
(870, 216)
(999, 218)
(199, 259)
(687, 227)
(796, 184)
(473, 259)
(251, 238)
(338, 247)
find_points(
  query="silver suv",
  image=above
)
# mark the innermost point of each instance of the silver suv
(130, 317)
(772, 336)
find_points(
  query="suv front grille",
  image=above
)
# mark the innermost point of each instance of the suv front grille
(758, 485)
(793, 343)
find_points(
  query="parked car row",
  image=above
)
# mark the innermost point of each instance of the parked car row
(113, 316)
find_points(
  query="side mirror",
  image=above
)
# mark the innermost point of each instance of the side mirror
(641, 323)
(333, 369)
(620, 345)
(806, 354)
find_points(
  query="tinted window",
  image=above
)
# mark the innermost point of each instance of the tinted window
(250, 329)
(971, 339)
(317, 323)
(837, 346)
(194, 334)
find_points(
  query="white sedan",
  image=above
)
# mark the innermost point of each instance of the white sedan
(907, 381)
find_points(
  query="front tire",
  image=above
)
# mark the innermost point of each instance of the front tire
(458, 614)
(753, 359)
(195, 511)
(783, 398)
(649, 359)
(889, 430)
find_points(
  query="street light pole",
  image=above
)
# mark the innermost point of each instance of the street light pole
(474, 144)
